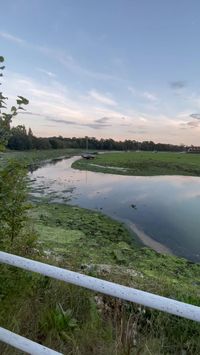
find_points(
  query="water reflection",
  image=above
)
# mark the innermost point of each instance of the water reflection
(166, 207)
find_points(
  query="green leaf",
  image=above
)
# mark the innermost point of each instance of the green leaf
(24, 101)
(2, 102)
(7, 116)
(3, 97)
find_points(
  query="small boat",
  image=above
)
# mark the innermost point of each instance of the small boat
(88, 156)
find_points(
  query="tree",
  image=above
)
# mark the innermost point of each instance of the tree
(13, 185)
(13, 202)
(19, 139)
(5, 115)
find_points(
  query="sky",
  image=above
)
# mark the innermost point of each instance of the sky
(121, 69)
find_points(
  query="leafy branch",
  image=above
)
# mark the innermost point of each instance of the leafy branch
(5, 116)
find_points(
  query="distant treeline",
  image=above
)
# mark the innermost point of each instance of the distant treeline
(21, 139)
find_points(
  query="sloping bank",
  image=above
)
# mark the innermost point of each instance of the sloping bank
(92, 243)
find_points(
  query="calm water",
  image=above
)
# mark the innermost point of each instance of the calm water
(163, 210)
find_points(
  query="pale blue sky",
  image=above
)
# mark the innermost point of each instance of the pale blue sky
(110, 68)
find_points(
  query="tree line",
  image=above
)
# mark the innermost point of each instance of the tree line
(22, 139)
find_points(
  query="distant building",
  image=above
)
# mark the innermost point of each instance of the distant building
(193, 150)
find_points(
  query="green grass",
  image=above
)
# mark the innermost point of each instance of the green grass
(73, 320)
(143, 163)
(82, 237)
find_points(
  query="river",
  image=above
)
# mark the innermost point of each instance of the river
(164, 211)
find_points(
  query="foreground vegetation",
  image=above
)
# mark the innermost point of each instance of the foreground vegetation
(143, 163)
(74, 320)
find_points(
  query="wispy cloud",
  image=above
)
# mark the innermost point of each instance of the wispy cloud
(58, 120)
(55, 102)
(193, 124)
(66, 60)
(102, 98)
(66, 112)
(103, 120)
(137, 131)
(145, 95)
(97, 126)
(91, 125)
(195, 115)
(178, 84)
(149, 96)
(12, 38)
(190, 124)
(73, 65)
(132, 90)
(46, 72)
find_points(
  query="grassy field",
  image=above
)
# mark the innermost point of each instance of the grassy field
(76, 321)
(143, 163)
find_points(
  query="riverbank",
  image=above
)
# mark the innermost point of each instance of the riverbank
(143, 163)
(79, 237)
(92, 243)
(33, 158)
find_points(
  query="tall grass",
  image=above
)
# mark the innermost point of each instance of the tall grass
(74, 320)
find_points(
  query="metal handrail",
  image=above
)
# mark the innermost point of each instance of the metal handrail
(24, 344)
(147, 299)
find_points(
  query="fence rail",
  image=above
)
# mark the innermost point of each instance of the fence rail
(147, 299)
(24, 344)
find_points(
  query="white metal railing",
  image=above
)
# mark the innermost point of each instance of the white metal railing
(160, 303)
(24, 344)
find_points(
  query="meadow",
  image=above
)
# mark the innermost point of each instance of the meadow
(143, 163)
